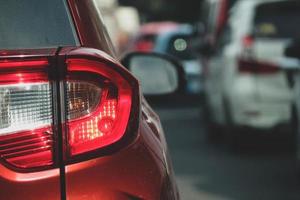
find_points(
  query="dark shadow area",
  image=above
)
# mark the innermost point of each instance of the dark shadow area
(175, 101)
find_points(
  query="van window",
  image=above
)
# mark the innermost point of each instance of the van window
(277, 20)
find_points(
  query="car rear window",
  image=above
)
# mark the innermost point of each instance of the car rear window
(180, 46)
(35, 24)
(278, 20)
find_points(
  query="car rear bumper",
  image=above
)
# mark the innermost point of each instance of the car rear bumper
(282, 129)
(250, 105)
(261, 115)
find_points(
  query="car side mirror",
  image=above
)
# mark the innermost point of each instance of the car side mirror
(158, 74)
(293, 50)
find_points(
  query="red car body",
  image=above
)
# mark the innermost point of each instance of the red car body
(133, 166)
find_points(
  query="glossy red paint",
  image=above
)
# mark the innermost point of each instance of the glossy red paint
(90, 28)
(137, 172)
(136, 166)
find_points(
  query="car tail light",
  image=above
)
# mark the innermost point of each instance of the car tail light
(248, 41)
(144, 46)
(43, 124)
(255, 67)
(26, 135)
(99, 104)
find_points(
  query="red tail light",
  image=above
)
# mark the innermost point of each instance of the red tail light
(255, 67)
(248, 41)
(98, 96)
(144, 46)
(99, 105)
(26, 135)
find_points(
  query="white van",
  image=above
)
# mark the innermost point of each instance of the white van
(246, 84)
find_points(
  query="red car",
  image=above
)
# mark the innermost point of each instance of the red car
(73, 122)
(148, 33)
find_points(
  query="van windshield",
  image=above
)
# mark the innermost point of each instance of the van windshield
(278, 20)
(35, 24)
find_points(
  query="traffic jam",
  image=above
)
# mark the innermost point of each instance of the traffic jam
(150, 100)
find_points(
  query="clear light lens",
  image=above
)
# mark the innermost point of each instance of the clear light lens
(83, 98)
(24, 107)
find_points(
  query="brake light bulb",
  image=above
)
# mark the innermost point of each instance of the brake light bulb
(248, 41)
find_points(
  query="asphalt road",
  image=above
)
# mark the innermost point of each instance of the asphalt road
(211, 171)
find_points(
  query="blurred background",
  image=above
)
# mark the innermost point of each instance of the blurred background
(232, 126)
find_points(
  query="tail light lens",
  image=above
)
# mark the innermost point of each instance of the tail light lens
(248, 41)
(98, 97)
(26, 136)
(144, 46)
(99, 104)
(255, 67)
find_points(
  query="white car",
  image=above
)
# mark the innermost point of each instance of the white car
(246, 84)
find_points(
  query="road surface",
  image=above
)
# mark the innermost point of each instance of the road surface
(210, 171)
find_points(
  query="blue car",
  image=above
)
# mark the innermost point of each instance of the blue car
(178, 43)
